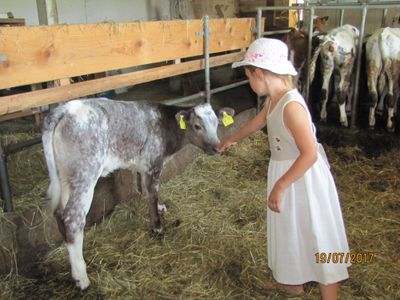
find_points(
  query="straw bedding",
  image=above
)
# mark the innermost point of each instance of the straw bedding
(214, 244)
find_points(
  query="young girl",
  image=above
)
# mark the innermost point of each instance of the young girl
(304, 219)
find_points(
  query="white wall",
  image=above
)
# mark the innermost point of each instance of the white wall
(92, 11)
(95, 11)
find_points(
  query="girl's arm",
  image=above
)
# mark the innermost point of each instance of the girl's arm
(250, 127)
(297, 122)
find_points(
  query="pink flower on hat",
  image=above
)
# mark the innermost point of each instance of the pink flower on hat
(254, 56)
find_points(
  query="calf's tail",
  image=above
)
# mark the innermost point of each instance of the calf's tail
(54, 190)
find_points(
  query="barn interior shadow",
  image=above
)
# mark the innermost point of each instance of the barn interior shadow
(372, 143)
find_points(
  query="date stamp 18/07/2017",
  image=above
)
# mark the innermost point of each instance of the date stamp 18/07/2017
(344, 257)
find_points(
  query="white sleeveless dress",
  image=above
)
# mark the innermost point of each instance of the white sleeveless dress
(310, 220)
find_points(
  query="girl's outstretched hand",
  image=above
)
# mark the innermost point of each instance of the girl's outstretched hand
(224, 145)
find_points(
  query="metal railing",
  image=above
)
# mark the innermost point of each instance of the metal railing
(312, 8)
(207, 89)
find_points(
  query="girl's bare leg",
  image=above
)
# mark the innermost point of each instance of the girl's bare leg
(330, 291)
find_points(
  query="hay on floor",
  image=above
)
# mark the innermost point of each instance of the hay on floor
(214, 245)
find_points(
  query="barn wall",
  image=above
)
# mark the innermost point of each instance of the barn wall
(95, 11)
(92, 11)
(353, 17)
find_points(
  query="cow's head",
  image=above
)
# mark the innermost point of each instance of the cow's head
(201, 124)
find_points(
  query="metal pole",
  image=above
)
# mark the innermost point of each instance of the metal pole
(310, 32)
(358, 67)
(229, 86)
(4, 183)
(331, 7)
(259, 35)
(201, 94)
(275, 32)
(259, 16)
(341, 17)
(4, 179)
(13, 148)
(207, 61)
(384, 15)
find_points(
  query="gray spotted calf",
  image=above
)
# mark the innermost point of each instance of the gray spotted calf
(86, 139)
(338, 53)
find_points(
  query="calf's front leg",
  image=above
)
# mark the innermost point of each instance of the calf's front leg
(152, 185)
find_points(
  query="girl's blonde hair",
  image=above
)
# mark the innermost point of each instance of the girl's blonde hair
(286, 79)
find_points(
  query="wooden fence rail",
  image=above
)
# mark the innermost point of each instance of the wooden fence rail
(34, 54)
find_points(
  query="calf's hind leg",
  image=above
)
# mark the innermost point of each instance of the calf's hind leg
(392, 73)
(342, 95)
(74, 220)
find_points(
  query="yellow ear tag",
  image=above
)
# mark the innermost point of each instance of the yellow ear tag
(227, 119)
(182, 123)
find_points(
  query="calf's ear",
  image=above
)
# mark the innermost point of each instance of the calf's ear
(183, 113)
(181, 118)
(228, 110)
(223, 113)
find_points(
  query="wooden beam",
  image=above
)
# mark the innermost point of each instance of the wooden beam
(12, 22)
(33, 54)
(16, 115)
(14, 103)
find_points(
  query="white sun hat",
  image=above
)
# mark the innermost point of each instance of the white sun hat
(268, 54)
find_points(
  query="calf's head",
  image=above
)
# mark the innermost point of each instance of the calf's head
(201, 124)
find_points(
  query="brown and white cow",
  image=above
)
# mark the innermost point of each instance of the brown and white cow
(383, 71)
(338, 52)
(86, 139)
(297, 42)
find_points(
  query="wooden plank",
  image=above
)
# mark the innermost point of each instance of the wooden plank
(33, 54)
(14, 103)
(16, 115)
(12, 21)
